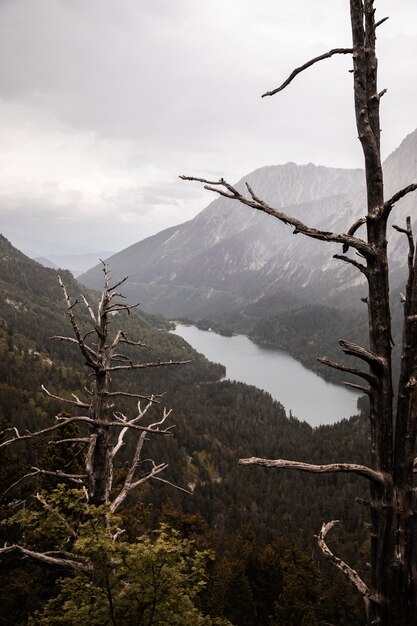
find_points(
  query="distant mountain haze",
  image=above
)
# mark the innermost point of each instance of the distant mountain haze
(76, 263)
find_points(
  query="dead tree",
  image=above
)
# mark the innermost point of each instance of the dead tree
(391, 595)
(103, 429)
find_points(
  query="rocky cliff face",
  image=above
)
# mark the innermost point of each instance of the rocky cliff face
(231, 259)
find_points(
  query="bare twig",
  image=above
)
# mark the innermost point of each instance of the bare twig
(366, 390)
(384, 19)
(139, 366)
(138, 396)
(47, 558)
(309, 63)
(347, 259)
(75, 402)
(389, 204)
(86, 351)
(75, 478)
(345, 368)
(40, 433)
(168, 482)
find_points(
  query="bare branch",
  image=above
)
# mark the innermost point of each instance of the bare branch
(299, 227)
(389, 204)
(384, 19)
(300, 69)
(86, 351)
(71, 440)
(11, 487)
(75, 478)
(350, 573)
(123, 280)
(89, 466)
(154, 471)
(362, 353)
(129, 485)
(44, 431)
(76, 402)
(120, 440)
(400, 229)
(138, 366)
(345, 368)
(129, 342)
(46, 558)
(72, 340)
(138, 396)
(408, 231)
(90, 310)
(366, 390)
(347, 259)
(121, 307)
(352, 230)
(122, 338)
(352, 468)
(168, 482)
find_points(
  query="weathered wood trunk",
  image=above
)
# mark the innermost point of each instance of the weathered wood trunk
(100, 462)
(101, 465)
(393, 600)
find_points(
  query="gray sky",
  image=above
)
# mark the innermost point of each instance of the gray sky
(104, 102)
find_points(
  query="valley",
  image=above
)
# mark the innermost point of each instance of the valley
(254, 521)
(234, 268)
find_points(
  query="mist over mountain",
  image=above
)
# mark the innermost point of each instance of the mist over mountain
(235, 265)
(76, 263)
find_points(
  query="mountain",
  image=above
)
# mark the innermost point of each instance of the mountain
(229, 257)
(233, 267)
(45, 262)
(232, 263)
(76, 263)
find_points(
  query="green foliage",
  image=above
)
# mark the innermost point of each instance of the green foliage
(154, 580)
(310, 331)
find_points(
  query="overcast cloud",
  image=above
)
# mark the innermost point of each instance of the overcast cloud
(104, 102)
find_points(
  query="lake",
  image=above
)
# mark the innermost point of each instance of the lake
(299, 390)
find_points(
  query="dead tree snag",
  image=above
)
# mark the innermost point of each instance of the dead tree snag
(104, 429)
(391, 597)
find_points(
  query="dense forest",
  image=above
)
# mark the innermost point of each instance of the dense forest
(244, 537)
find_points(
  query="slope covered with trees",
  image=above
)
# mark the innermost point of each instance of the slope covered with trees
(254, 523)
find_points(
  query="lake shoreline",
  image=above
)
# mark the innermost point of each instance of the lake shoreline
(322, 372)
(302, 392)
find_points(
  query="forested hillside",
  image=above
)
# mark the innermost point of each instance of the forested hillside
(265, 569)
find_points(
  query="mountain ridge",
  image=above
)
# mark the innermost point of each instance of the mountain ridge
(230, 259)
